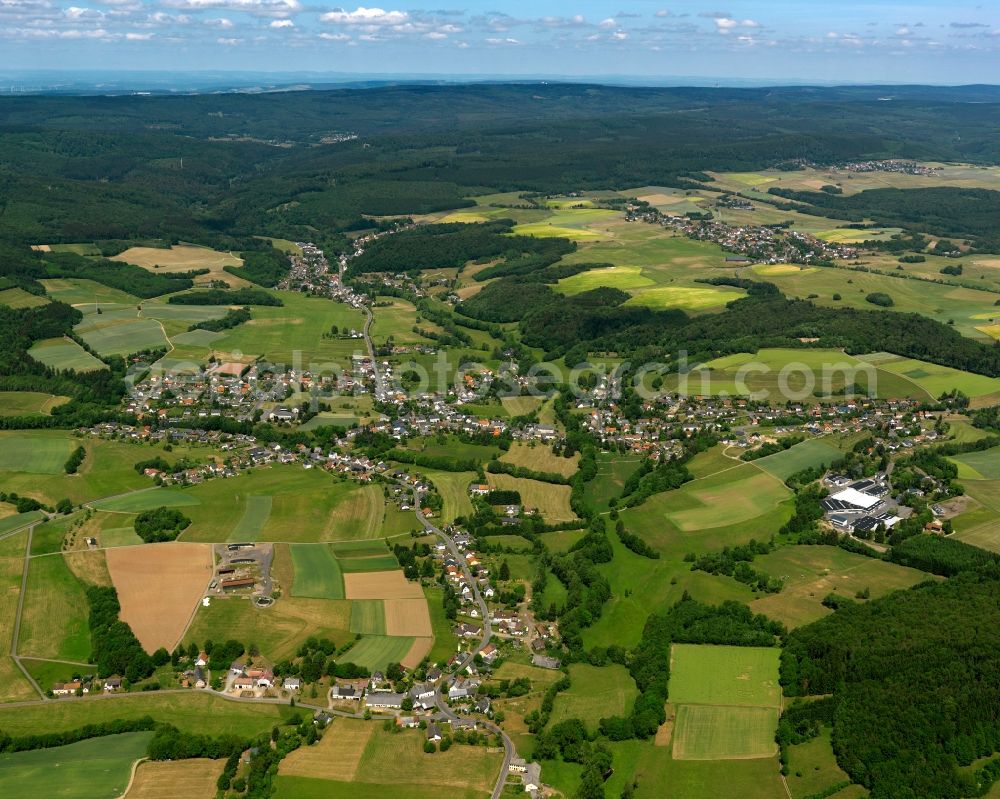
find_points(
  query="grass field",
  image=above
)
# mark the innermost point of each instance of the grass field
(378, 651)
(640, 585)
(595, 693)
(981, 526)
(64, 353)
(109, 334)
(540, 459)
(193, 711)
(551, 500)
(983, 465)
(813, 767)
(384, 561)
(19, 298)
(937, 380)
(255, 515)
(724, 675)
(625, 278)
(317, 572)
(14, 686)
(305, 506)
(712, 732)
(77, 291)
(368, 616)
(96, 767)
(810, 573)
(297, 327)
(454, 490)
(184, 258)
(172, 779)
(445, 643)
(279, 630)
(53, 592)
(685, 297)
(702, 515)
(34, 454)
(798, 374)
(29, 403)
(15, 520)
(809, 454)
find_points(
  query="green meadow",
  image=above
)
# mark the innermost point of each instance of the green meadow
(29, 403)
(64, 353)
(317, 572)
(595, 693)
(745, 676)
(378, 651)
(806, 455)
(96, 767)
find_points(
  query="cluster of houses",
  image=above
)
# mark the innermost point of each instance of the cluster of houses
(768, 244)
(247, 679)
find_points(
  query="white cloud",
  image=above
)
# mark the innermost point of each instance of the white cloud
(608, 23)
(619, 36)
(335, 37)
(365, 16)
(726, 24)
(229, 42)
(507, 41)
(273, 8)
(138, 37)
(662, 13)
(282, 23)
(222, 22)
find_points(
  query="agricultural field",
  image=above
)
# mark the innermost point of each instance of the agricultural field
(704, 515)
(540, 458)
(82, 770)
(983, 465)
(743, 676)
(640, 585)
(727, 701)
(54, 592)
(79, 291)
(799, 374)
(121, 331)
(813, 767)
(983, 528)
(29, 403)
(595, 693)
(454, 490)
(19, 298)
(360, 759)
(756, 778)
(13, 521)
(712, 732)
(296, 332)
(64, 353)
(193, 711)
(810, 573)
(807, 455)
(368, 617)
(444, 643)
(937, 380)
(279, 630)
(549, 499)
(317, 572)
(378, 651)
(173, 778)
(15, 687)
(159, 587)
(107, 469)
(280, 503)
(33, 453)
(185, 258)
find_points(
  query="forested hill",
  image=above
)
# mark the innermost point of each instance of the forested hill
(206, 167)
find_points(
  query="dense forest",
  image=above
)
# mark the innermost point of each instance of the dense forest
(914, 679)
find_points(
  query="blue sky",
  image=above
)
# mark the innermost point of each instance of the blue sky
(792, 40)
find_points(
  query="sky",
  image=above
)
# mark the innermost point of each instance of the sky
(924, 41)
